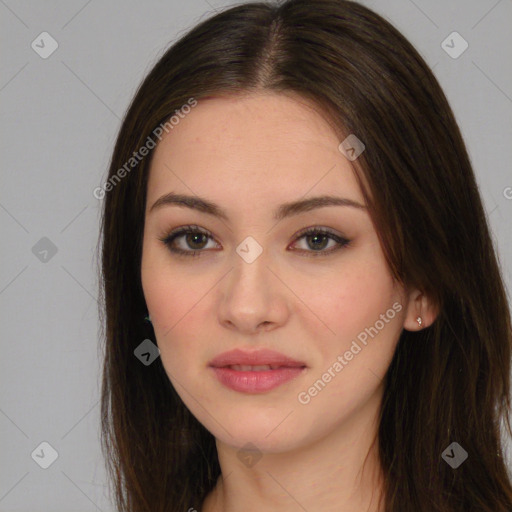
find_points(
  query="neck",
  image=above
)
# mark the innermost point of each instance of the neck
(340, 472)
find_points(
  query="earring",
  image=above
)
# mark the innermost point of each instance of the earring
(147, 318)
(419, 320)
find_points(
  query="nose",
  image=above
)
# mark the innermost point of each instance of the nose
(253, 298)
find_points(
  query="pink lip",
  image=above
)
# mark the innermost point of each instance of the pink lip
(255, 381)
(254, 358)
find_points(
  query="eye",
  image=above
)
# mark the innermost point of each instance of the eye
(316, 236)
(194, 236)
(197, 239)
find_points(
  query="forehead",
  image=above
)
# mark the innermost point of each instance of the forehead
(268, 147)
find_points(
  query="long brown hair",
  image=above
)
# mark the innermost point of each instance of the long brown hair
(448, 382)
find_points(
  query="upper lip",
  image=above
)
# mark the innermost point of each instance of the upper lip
(254, 358)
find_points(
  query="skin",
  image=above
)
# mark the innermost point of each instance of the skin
(249, 154)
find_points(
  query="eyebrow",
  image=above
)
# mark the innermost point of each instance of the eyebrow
(283, 211)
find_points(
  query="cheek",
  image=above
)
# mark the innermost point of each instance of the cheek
(349, 299)
(363, 310)
(176, 301)
(174, 305)
(171, 304)
(167, 292)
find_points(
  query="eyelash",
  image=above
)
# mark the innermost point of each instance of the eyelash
(169, 238)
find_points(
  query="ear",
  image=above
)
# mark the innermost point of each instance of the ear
(419, 305)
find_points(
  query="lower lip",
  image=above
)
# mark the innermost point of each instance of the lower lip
(256, 381)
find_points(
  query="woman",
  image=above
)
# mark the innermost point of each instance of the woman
(370, 372)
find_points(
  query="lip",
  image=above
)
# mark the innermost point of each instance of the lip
(254, 358)
(255, 381)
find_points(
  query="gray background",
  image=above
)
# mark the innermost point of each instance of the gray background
(60, 116)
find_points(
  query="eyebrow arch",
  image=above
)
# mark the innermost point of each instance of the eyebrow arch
(284, 210)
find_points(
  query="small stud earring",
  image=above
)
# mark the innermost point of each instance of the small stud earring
(147, 319)
(419, 320)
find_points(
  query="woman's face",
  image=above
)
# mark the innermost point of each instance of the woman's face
(256, 283)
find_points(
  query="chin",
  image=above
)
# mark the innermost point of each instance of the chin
(265, 439)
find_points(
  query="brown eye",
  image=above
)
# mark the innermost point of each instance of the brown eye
(194, 240)
(313, 241)
(318, 238)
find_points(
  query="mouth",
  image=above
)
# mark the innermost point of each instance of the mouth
(255, 372)
(262, 359)
(254, 380)
(257, 368)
